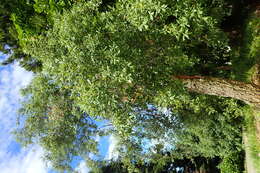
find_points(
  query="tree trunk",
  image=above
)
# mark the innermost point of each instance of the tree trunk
(249, 93)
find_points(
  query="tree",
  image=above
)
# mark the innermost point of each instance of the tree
(20, 19)
(176, 166)
(14, 17)
(53, 121)
(112, 62)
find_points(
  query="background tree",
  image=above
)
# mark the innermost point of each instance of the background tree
(172, 166)
(21, 19)
(52, 120)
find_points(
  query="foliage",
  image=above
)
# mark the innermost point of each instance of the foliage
(232, 163)
(116, 64)
(206, 129)
(249, 53)
(112, 166)
(170, 166)
(7, 30)
(52, 120)
(116, 60)
(21, 19)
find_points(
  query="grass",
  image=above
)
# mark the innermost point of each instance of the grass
(253, 145)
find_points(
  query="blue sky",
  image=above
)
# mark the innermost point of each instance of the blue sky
(13, 158)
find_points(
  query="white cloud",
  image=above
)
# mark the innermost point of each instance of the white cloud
(12, 79)
(25, 162)
(112, 153)
(82, 167)
(12, 158)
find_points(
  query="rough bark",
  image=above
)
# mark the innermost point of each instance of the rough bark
(249, 93)
(256, 76)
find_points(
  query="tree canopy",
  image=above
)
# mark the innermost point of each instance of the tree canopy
(127, 62)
